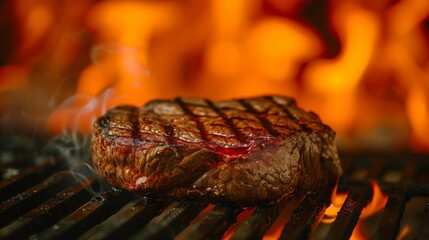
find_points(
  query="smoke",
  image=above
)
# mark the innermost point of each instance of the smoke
(73, 144)
(74, 149)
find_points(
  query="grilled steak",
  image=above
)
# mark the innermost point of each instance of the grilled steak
(242, 151)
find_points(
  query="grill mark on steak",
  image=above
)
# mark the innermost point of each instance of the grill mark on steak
(286, 110)
(134, 118)
(104, 123)
(168, 129)
(305, 128)
(282, 107)
(170, 133)
(240, 137)
(265, 123)
(194, 118)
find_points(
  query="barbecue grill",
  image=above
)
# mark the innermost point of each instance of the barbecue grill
(45, 197)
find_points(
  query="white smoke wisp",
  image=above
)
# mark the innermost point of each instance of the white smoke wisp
(73, 146)
(74, 149)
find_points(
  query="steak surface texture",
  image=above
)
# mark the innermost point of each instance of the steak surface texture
(241, 151)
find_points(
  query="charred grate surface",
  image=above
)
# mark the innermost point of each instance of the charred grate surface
(43, 200)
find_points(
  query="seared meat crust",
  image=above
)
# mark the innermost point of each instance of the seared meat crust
(243, 151)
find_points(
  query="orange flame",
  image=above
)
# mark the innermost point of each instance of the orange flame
(417, 107)
(337, 200)
(377, 203)
(404, 232)
(376, 76)
(359, 30)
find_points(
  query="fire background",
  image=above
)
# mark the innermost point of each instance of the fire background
(361, 65)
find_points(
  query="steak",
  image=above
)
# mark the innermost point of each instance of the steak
(239, 151)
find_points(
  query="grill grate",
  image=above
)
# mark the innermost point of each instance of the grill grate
(45, 201)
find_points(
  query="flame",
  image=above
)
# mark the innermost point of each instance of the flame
(245, 214)
(35, 20)
(417, 107)
(337, 200)
(338, 78)
(12, 77)
(377, 203)
(121, 66)
(359, 65)
(404, 232)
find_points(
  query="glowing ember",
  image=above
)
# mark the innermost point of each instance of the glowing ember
(240, 219)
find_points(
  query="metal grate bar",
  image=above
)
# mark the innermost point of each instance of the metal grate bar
(408, 173)
(32, 197)
(349, 213)
(171, 222)
(40, 202)
(424, 231)
(393, 211)
(48, 213)
(376, 168)
(214, 224)
(88, 215)
(131, 217)
(260, 221)
(25, 179)
(305, 216)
